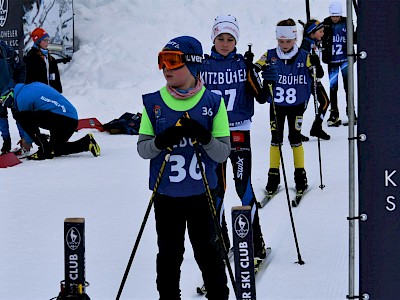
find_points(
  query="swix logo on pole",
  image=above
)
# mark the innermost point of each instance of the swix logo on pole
(3, 12)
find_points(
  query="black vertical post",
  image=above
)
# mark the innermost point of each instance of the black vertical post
(243, 251)
(308, 10)
(74, 251)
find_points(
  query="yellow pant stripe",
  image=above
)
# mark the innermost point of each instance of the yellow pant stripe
(298, 156)
(274, 157)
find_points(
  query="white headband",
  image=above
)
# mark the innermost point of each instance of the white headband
(286, 32)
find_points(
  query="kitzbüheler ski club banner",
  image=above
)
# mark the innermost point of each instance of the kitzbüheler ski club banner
(11, 29)
(379, 155)
(18, 18)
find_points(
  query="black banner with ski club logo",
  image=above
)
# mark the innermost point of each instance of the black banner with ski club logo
(18, 18)
(11, 29)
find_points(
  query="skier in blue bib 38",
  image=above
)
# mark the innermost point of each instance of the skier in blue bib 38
(175, 119)
(291, 94)
(232, 75)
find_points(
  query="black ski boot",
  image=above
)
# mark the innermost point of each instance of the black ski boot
(258, 241)
(304, 138)
(274, 179)
(300, 179)
(6, 146)
(334, 120)
(93, 146)
(316, 130)
(45, 150)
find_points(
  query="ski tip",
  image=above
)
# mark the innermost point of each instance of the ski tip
(201, 290)
(265, 201)
(267, 198)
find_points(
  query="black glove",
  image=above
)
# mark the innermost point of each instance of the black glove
(248, 58)
(6, 145)
(169, 137)
(270, 74)
(194, 130)
(7, 98)
(314, 60)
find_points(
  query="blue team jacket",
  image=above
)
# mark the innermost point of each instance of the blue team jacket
(38, 96)
(294, 80)
(182, 177)
(226, 76)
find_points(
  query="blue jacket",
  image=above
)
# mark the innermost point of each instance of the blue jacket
(334, 41)
(294, 82)
(7, 64)
(182, 177)
(227, 76)
(38, 96)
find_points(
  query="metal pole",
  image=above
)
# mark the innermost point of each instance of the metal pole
(350, 112)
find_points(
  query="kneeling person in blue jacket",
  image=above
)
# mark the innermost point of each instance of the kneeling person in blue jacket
(37, 105)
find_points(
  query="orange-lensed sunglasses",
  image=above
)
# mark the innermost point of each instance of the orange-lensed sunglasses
(171, 59)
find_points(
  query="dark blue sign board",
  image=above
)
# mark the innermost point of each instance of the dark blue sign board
(11, 29)
(74, 255)
(379, 155)
(243, 252)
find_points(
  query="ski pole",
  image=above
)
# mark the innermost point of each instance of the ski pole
(249, 45)
(308, 9)
(321, 186)
(157, 184)
(300, 261)
(214, 215)
(213, 212)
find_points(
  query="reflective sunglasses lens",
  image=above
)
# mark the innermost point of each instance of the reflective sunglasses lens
(170, 59)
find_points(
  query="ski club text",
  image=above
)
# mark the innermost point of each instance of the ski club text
(390, 181)
(245, 277)
(73, 267)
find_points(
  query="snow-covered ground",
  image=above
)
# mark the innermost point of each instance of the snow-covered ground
(115, 64)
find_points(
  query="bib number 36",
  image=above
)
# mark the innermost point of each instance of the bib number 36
(179, 168)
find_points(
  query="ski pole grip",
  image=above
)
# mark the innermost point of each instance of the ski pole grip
(249, 45)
